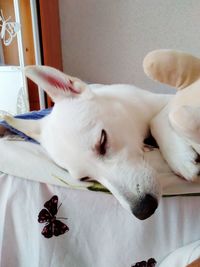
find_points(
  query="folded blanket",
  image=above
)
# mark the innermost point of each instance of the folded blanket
(30, 161)
(34, 115)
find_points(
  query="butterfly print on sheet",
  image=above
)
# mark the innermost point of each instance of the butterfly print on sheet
(53, 227)
(150, 263)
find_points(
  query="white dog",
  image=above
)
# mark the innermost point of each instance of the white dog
(99, 132)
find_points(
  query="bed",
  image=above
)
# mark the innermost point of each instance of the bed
(48, 219)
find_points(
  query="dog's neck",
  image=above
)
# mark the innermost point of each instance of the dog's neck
(141, 103)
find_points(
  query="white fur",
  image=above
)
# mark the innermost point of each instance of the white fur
(69, 135)
(70, 132)
(178, 150)
(177, 127)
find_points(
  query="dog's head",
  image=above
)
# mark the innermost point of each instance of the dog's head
(94, 135)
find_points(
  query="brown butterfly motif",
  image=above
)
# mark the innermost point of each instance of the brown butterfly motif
(150, 263)
(48, 215)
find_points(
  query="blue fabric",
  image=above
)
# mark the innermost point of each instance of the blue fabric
(34, 115)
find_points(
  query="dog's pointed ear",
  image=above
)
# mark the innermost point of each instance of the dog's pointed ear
(56, 84)
(186, 121)
(31, 128)
(171, 67)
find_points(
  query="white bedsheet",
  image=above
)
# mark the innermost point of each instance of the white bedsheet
(101, 233)
(183, 256)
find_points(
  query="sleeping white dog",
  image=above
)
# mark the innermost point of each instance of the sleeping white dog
(99, 131)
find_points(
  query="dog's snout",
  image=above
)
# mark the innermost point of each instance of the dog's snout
(145, 207)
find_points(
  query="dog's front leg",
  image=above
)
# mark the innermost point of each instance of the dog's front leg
(176, 150)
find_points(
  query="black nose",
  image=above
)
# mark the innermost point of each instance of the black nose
(145, 207)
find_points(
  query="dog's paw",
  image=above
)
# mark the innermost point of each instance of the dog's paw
(177, 150)
(186, 164)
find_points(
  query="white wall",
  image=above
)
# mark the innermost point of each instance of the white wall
(105, 41)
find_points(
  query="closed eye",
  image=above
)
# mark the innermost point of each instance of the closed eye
(101, 146)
